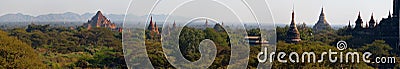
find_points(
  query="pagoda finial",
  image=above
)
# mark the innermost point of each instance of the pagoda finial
(293, 15)
(322, 9)
(151, 25)
(349, 24)
(389, 15)
(174, 25)
(358, 22)
(372, 21)
(372, 16)
(322, 15)
(151, 18)
(98, 12)
(293, 6)
(366, 25)
(206, 23)
(293, 22)
(293, 9)
(359, 15)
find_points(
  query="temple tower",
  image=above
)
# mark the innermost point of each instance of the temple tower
(359, 22)
(372, 21)
(293, 35)
(322, 24)
(396, 8)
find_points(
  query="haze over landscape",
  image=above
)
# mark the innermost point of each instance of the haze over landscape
(220, 34)
(337, 11)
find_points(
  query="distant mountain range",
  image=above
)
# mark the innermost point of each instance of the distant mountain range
(67, 17)
(74, 17)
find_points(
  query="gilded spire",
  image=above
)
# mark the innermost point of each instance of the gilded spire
(322, 24)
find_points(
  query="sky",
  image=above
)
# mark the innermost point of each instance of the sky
(39, 7)
(338, 12)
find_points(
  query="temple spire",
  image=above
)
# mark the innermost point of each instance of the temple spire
(349, 25)
(156, 28)
(358, 22)
(372, 15)
(396, 8)
(372, 21)
(151, 20)
(322, 24)
(390, 15)
(292, 22)
(151, 24)
(206, 23)
(153, 28)
(366, 25)
(293, 12)
(293, 18)
(174, 25)
(322, 12)
(293, 35)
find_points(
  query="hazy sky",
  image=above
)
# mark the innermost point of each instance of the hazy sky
(336, 11)
(38, 7)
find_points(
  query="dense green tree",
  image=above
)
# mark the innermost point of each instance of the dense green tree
(42, 28)
(306, 33)
(21, 34)
(254, 32)
(219, 38)
(16, 54)
(189, 41)
(38, 38)
(281, 32)
(378, 48)
(66, 48)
